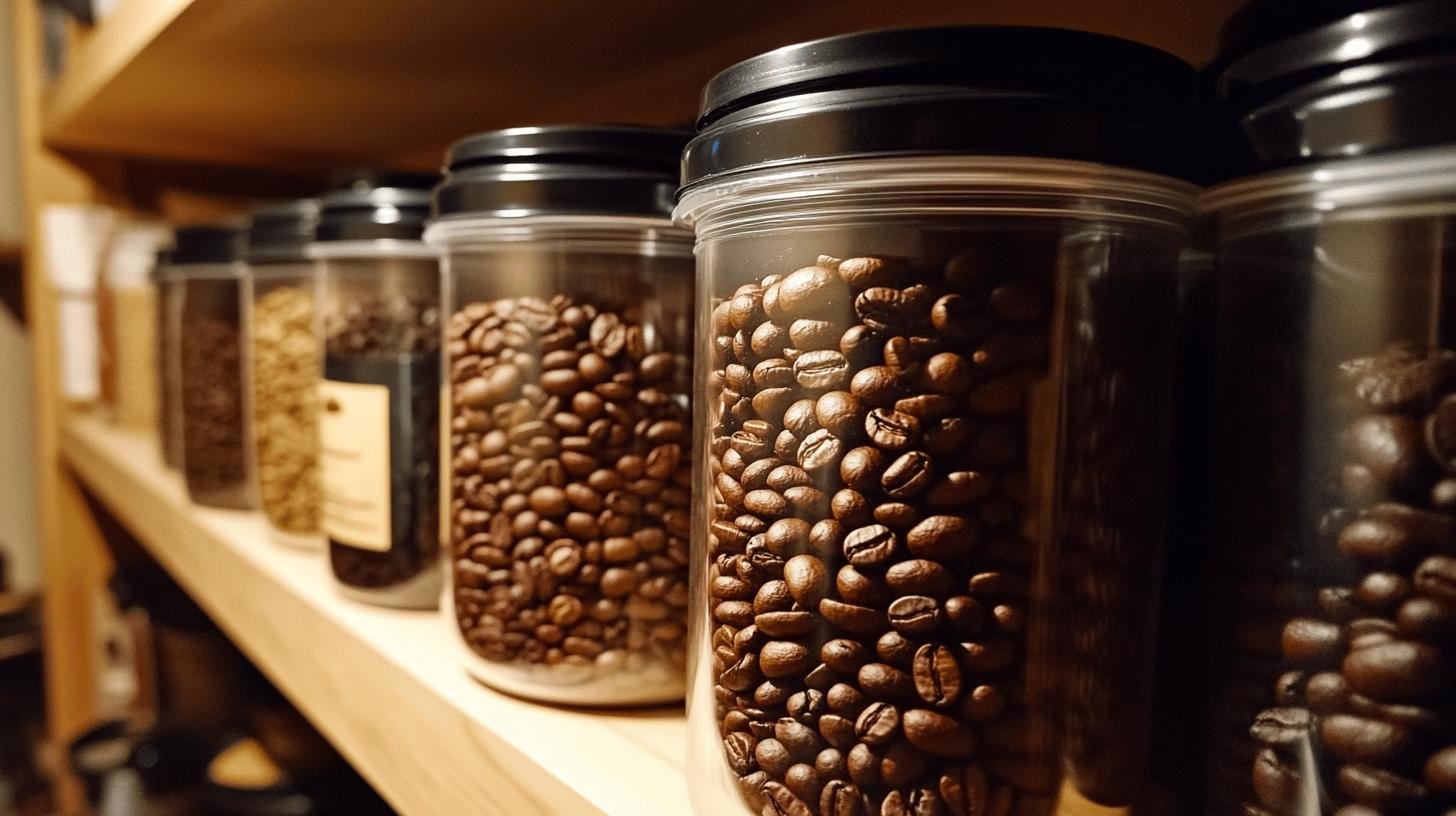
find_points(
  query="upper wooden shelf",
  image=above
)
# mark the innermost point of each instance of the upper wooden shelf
(385, 686)
(288, 83)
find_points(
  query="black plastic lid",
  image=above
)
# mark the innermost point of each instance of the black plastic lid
(279, 233)
(979, 90)
(207, 243)
(563, 170)
(377, 205)
(1348, 78)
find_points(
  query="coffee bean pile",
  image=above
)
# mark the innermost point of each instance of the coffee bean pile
(869, 575)
(1373, 670)
(569, 440)
(402, 329)
(214, 433)
(285, 409)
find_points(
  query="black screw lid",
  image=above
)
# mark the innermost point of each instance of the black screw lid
(279, 233)
(1295, 83)
(377, 205)
(985, 90)
(563, 170)
(207, 244)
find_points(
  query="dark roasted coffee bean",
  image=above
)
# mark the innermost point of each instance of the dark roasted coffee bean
(1282, 727)
(738, 748)
(1381, 789)
(965, 791)
(820, 451)
(858, 620)
(1396, 534)
(862, 467)
(1338, 604)
(1313, 642)
(822, 370)
(871, 546)
(1327, 691)
(862, 346)
(937, 675)
(1400, 672)
(1398, 375)
(1441, 433)
(1276, 782)
(809, 293)
(948, 373)
(870, 272)
(885, 682)
(902, 764)
(772, 756)
(942, 538)
(878, 724)
(915, 615)
(778, 800)
(838, 731)
(937, 734)
(813, 335)
(891, 430)
(882, 308)
(841, 798)
(1356, 739)
(807, 579)
(1440, 771)
(898, 516)
(784, 659)
(1436, 578)
(1381, 591)
(894, 649)
(1428, 619)
(1388, 446)
(864, 766)
(839, 412)
(846, 700)
(803, 742)
(909, 475)
(876, 386)
(983, 704)
(919, 576)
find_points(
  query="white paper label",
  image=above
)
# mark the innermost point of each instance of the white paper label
(354, 467)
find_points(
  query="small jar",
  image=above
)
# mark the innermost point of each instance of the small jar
(168, 302)
(379, 303)
(132, 305)
(567, 439)
(1333, 547)
(284, 372)
(938, 279)
(211, 366)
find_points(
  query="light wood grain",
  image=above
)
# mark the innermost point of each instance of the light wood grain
(280, 82)
(384, 685)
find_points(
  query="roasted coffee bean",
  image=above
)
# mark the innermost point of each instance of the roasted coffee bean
(1389, 447)
(1313, 642)
(871, 546)
(891, 430)
(915, 615)
(852, 618)
(918, 576)
(1400, 672)
(878, 724)
(886, 682)
(1381, 789)
(841, 798)
(1398, 375)
(938, 734)
(1435, 578)
(807, 579)
(844, 655)
(902, 764)
(1440, 771)
(1381, 591)
(876, 386)
(864, 766)
(1357, 739)
(785, 658)
(855, 587)
(1276, 783)
(839, 412)
(822, 370)
(937, 675)
(965, 790)
(810, 293)
(908, 475)
(1428, 619)
(942, 538)
(1282, 727)
(862, 467)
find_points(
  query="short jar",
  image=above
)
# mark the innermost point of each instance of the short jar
(285, 362)
(938, 273)
(567, 434)
(210, 280)
(379, 396)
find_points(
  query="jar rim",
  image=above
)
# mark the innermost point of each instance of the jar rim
(1403, 176)
(1062, 186)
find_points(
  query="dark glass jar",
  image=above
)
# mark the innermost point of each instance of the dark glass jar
(937, 290)
(211, 366)
(568, 350)
(379, 303)
(1334, 578)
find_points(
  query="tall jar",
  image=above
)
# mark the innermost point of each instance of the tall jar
(168, 302)
(1334, 580)
(211, 366)
(379, 306)
(284, 372)
(132, 305)
(567, 360)
(938, 275)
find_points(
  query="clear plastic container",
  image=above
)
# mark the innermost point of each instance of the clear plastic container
(133, 309)
(168, 302)
(212, 365)
(568, 360)
(379, 303)
(1333, 581)
(935, 418)
(285, 364)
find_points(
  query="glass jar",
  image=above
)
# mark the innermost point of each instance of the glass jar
(1333, 578)
(284, 371)
(211, 366)
(379, 302)
(168, 303)
(567, 353)
(935, 381)
(133, 309)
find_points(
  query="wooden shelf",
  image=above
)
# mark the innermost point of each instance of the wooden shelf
(383, 685)
(284, 83)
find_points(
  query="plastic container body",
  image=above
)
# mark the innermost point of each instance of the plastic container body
(933, 454)
(379, 399)
(168, 302)
(211, 381)
(1336, 507)
(567, 358)
(286, 361)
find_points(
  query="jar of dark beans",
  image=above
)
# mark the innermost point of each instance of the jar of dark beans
(1335, 522)
(567, 367)
(168, 303)
(936, 335)
(211, 361)
(285, 370)
(380, 394)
